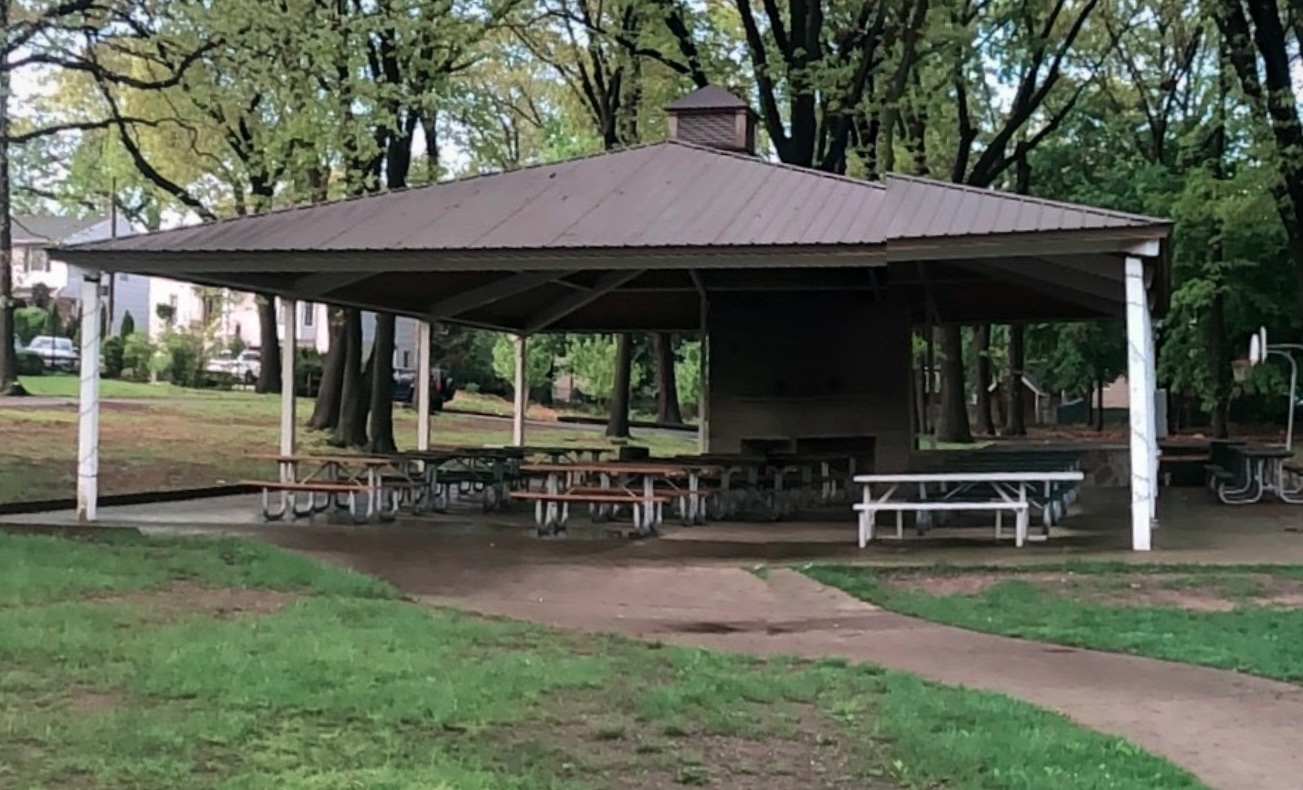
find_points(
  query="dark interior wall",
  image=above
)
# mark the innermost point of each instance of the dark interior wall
(810, 371)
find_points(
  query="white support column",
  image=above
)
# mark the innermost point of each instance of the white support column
(423, 386)
(1151, 360)
(1141, 403)
(289, 358)
(88, 420)
(521, 392)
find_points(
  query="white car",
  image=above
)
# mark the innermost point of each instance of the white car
(56, 353)
(244, 367)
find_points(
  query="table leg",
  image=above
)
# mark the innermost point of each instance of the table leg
(649, 504)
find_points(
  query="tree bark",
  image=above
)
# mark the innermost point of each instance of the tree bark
(667, 385)
(1017, 421)
(982, 340)
(269, 375)
(325, 414)
(8, 361)
(350, 430)
(1220, 358)
(382, 387)
(618, 424)
(1099, 407)
(953, 425)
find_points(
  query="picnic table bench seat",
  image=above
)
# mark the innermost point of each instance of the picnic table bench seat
(552, 509)
(998, 506)
(323, 494)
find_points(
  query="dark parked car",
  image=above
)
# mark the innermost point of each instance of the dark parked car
(442, 387)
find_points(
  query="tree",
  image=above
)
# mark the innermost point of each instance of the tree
(325, 412)
(618, 424)
(982, 341)
(667, 389)
(1260, 45)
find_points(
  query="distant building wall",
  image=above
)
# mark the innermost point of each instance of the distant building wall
(810, 372)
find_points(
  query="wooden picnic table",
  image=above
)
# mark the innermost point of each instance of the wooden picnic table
(332, 477)
(485, 471)
(1009, 489)
(565, 482)
(558, 453)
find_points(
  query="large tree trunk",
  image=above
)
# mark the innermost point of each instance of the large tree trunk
(350, 430)
(8, 361)
(325, 414)
(269, 376)
(953, 426)
(667, 385)
(982, 340)
(1099, 407)
(1017, 421)
(382, 387)
(618, 424)
(1220, 359)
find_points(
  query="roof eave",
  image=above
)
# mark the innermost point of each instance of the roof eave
(179, 262)
(1139, 240)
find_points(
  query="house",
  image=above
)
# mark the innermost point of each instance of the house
(35, 264)
(1037, 404)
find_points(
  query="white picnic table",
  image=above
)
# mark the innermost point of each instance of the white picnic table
(1009, 494)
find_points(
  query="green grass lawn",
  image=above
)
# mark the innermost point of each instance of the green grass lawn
(205, 664)
(64, 385)
(152, 443)
(1245, 618)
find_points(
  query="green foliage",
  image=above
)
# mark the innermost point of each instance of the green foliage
(29, 364)
(114, 350)
(128, 326)
(687, 370)
(183, 359)
(30, 322)
(137, 356)
(591, 359)
(539, 360)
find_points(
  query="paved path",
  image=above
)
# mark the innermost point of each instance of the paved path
(1235, 732)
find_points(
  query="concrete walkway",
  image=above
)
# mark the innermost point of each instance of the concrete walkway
(1234, 732)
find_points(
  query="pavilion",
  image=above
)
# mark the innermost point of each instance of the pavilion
(807, 286)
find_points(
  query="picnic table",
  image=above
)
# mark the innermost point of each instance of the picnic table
(775, 485)
(557, 454)
(336, 481)
(944, 492)
(463, 471)
(604, 486)
(1243, 474)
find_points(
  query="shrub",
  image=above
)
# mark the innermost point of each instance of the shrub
(137, 354)
(30, 364)
(30, 322)
(185, 352)
(114, 350)
(128, 327)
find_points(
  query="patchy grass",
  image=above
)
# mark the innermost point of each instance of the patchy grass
(332, 681)
(189, 442)
(64, 385)
(1247, 619)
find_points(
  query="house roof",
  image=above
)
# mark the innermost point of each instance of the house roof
(50, 229)
(672, 194)
(923, 208)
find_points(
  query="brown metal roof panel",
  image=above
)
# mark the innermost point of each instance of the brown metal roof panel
(554, 217)
(464, 215)
(721, 220)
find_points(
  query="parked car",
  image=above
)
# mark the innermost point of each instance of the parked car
(56, 353)
(442, 387)
(243, 367)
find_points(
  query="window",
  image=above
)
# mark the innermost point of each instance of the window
(34, 259)
(407, 359)
(309, 310)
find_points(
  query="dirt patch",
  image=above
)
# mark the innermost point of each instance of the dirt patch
(617, 751)
(181, 599)
(1201, 592)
